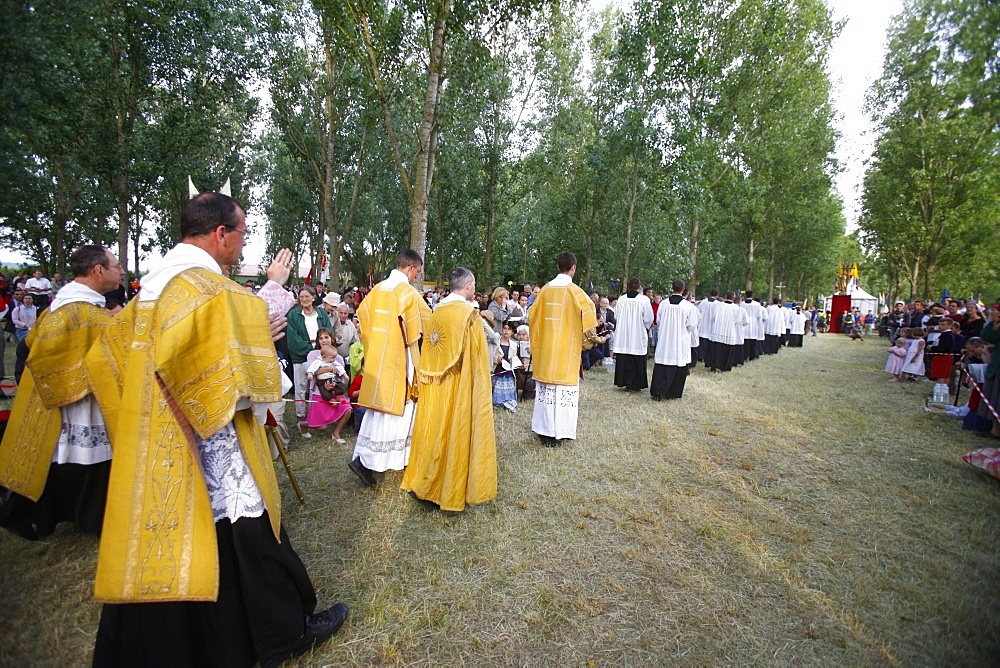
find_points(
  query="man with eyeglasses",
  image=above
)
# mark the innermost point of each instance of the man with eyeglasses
(55, 454)
(195, 566)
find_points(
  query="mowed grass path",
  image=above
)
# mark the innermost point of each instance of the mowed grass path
(799, 510)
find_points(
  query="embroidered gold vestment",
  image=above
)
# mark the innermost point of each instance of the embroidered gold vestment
(167, 373)
(384, 314)
(53, 377)
(557, 320)
(453, 460)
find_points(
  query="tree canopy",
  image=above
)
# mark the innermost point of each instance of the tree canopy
(674, 139)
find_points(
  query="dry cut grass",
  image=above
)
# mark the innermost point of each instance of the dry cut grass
(799, 510)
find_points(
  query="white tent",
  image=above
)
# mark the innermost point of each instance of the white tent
(860, 300)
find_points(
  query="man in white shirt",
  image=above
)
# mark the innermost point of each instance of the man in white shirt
(347, 333)
(40, 288)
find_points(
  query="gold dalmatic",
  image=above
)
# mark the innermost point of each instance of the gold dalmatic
(167, 373)
(53, 377)
(386, 316)
(557, 320)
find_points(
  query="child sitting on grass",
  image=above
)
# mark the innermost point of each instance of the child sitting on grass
(328, 406)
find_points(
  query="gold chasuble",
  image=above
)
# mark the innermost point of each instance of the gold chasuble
(453, 460)
(384, 315)
(557, 320)
(166, 373)
(53, 377)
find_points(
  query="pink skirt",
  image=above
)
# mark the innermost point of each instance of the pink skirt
(322, 413)
(895, 364)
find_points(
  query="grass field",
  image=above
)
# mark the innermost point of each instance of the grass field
(799, 510)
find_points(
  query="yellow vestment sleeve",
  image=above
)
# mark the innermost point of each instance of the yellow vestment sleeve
(53, 377)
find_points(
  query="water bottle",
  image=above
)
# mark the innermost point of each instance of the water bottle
(941, 393)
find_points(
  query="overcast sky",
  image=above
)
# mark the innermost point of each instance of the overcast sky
(856, 61)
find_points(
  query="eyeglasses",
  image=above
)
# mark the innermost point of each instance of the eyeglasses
(243, 232)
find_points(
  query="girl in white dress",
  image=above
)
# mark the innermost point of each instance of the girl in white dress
(913, 366)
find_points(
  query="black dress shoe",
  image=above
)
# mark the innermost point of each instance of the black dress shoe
(365, 474)
(424, 503)
(320, 626)
(548, 441)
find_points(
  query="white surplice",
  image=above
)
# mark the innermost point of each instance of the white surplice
(775, 323)
(707, 308)
(633, 316)
(730, 322)
(83, 438)
(757, 316)
(676, 324)
(798, 325)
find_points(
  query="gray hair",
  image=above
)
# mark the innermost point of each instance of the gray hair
(459, 278)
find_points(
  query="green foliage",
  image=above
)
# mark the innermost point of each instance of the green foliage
(674, 139)
(931, 206)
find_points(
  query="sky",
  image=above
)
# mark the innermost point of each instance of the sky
(855, 63)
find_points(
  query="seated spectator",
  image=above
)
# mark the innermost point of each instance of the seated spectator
(593, 352)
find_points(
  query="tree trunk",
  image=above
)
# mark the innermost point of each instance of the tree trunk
(121, 204)
(338, 243)
(770, 276)
(327, 218)
(695, 232)
(750, 266)
(427, 140)
(631, 217)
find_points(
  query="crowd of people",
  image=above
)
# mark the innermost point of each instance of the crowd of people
(949, 343)
(185, 377)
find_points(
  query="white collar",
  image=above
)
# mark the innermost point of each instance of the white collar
(453, 297)
(395, 277)
(561, 280)
(75, 291)
(180, 257)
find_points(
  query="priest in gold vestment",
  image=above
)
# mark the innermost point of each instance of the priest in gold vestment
(454, 458)
(561, 317)
(392, 317)
(56, 455)
(194, 566)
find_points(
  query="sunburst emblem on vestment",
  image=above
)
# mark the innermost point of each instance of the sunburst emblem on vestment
(436, 337)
